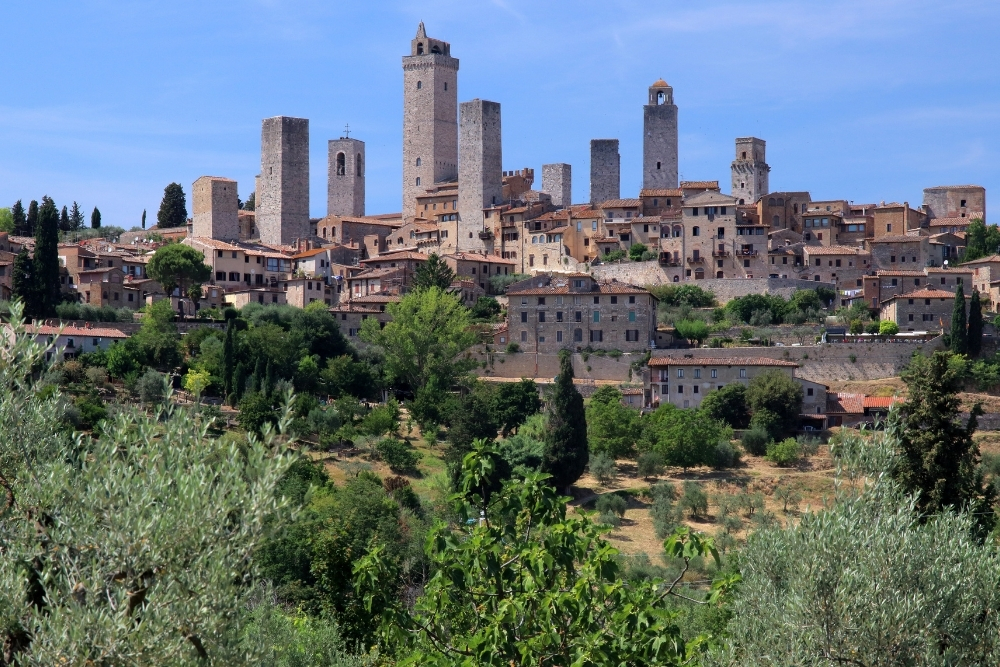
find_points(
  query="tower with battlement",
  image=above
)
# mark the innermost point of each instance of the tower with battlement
(283, 187)
(557, 182)
(215, 209)
(659, 138)
(480, 172)
(430, 111)
(750, 170)
(605, 170)
(345, 184)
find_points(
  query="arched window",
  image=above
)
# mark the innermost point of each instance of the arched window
(418, 180)
(357, 163)
(677, 232)
(420, 84)
(776, 220)
(420, 49)
(435, 49)
(341, 164)
(418, 162)
(677, 279)
(771, 202)
(741, 202)
(781, 201)
(696, 231)
(324, 232)
(333, 232)
(660, 98)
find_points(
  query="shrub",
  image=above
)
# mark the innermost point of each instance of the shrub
(513, 348)
(857, 327)
(613, 503)
(650, 464)
(91, 411)
(666, 515)
(888, 328)
(636, 252)
(853, 358)
(609, 519)
(97, 376)
(751, 501)
(873, 327)
(151, 387)
(603, 468)
(396, 454)
(755, 441)
(726, 455)
(694, 499)
(784, 453)
(788, 496)
(382, 419)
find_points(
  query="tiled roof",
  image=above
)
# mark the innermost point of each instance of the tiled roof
(851, 404)
(479, 257)
(958, 271)
(49, 330)
(654, 192)
(835, 250)
(601, 288)
(375, 298)
(950, 222)
(394, 255)
(895, 238)
(691, 185)
(648, 218)
(983, 260)
(621, 203)
(631, 391)
(309, 253)
(902, 274)
(882, 401)
(721, 361)
(926, 293)
(376, 273)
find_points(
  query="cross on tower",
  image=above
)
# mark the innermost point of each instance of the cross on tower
(347, 131)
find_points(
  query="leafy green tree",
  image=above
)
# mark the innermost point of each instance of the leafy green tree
(649, 464)
(683, 295)
(75, 216)
(543, 589)
(486, 309)
(173, 207)
(176, 266)
(604, 470)
(938, 461)
(780, 396)
(975, 331)
(566, 451)
(18, 219)
(284, 639)
(95, 219)
(157, 339)
(512, 403)
(46, 259)
(6, 221)
(692, 330)
(256, 411)
(888, 328)
(228, 358)
(612, 428)
(251, 203)
(124, 358)
(959, 334)
(433, 273)
(31, 220)
(685, 438)
(784, 453)
(636, 252)
(694, 499)
(980, 240)
(728, 405)
(64, 223)
(345, 375)
(23, 282)
(743, 308)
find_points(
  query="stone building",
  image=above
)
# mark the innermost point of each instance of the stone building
(241, 265)
(887, 283)
(895, 219)
(551, 312)
(345, 180)
(557, 182)
(842, 265)
(926, 309)
(605, 170)
(659, 138)
(282, 212)
(684, 381)
(750, 170)
(898, 251)
(955, 201)
(215, 208)
(783, 210)
(430, 116)
(480, 172)
(479, 268)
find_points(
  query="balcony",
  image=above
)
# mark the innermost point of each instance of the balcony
(748, 253)
(485, 235)
(666, 259)
(720, 253)
(698, 259)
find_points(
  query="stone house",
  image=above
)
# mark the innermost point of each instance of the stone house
(926, 309)
(985, 270)
(888, 283)
(302, 291)
(240, 297)
(479, 267)
(841, 265)
(820, 228)
(550, 312)
(782, 210)
(70, 340)
(351, 314)
(684, 381)
(896, 219)
(900, 251)
(238, 265)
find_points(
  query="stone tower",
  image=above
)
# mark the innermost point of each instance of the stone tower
(345, 184)
(955, 201)
(283, 190)
(215, 209)
(605, 170)
(480, 171)
(659, 138)
(430, 110)
(557, 181)
(750, 170)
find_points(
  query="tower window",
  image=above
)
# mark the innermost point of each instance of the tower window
(657, 166)
(357, 163)
(420, 52)
(418, 162)
(418, 180)
(420, 84)
(659, 98)
(446, 85)
(341, 164)
(744, 155)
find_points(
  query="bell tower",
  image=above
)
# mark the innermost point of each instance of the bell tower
(659, 140)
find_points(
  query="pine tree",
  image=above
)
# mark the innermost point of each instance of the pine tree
(95, 219)
(975, 343)
(143, 218)
(228, 359)
(75, 216)
(20, 222)
(566, 452)
(173, 208)
(959, 336)
(251, 203)
(46, 260)
(64, 223)
(32, 219)
(23, 282)
(433, 273)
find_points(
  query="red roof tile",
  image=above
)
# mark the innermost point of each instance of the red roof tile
(882, 401)
(851, 404)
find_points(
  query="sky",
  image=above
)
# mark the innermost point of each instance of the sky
(105, 102)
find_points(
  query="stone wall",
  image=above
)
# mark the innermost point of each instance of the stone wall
(557, 181)
(605, 170)
(283, 193)
(215, 209)
(345, 184)
(480, 169)
(546, 366)
(659, 146)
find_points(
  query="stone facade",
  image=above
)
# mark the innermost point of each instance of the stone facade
(215, 208)
(659, 138)
(955, 201)
(926, 309)
(557, 182)
(283, 190)
(345, 181)
(430, 115)
(480, 172)
(684, 380)
(605, 170)
(750, 170)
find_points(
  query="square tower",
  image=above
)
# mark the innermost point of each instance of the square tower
(956, 201)
(216, 209)
(557, 182)
(750, 170)
(480, 172)
(659, 138)
(283, 190)
(605, 170)
(345, 179)
(430, 112)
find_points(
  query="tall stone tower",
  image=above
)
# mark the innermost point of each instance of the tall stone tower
(659, 138)
(750, 170)
(430, 110)
(480, 171)
(557, 181)
(215, 209)
(605, 170)
(345, 179)
(283, 190)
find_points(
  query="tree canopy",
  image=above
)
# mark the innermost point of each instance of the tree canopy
(566, 451)
(980, 240)
(176, 265)
(173, 207)
(778, 396)
(433, 273)
(959, 334)
(612, 428)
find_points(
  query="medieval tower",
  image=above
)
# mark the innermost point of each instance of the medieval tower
(283, 189)
(659, 138)
(480, 172)
(345, 184)
(215, 209)
(750, 170)
(430, 112)
(557, 182)
(605, 170)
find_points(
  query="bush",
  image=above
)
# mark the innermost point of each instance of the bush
(613, 256)
(499, 284)
(755, 441)
(784, 453)
(513, 348)
(152, 387)
(857, 327)
(726, 455)
(91, 411)
(873, 327)
(609, 519)
(97, 376)
(382, 419)
(613, 503)
(788, 497)
(888, 328)
(650, 464)
(666, 516)
(603, 468)
(396, 454)
(694, 499)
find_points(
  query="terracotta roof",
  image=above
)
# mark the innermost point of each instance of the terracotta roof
(393, 255)
(835, 250)
(721, 361)
(895, 238)
(621, 203)
(904, 274)
(479, 257)
(648, 218)
(950, 222)
(983, 260)
(659, 83)
(349, 308)
(690, 185)
(926, 293)
(654, 192)
(882, 401)
(851, 404)
(955, 270)
(376, 273)
(631, 391)
(375, 298)
(601, 288)
(309, 253)
(49, 330)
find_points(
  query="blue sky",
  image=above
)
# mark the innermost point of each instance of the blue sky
(107, 101)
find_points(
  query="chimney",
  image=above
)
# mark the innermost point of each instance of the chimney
(88, 325)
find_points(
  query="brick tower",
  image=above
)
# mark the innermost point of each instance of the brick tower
(557, 181)
(659, 138)
(283, 189)
(605, 170)
(750, 170)
(430, 112)
(480, 171)
(345, 184)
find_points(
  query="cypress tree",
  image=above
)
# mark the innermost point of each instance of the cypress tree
(959, 336)
(228, 359)
(46, 261)
(975, 343)
(566, 452)
(75, 216)
(143, 218)
(95, 219)
(23, 283)
(173, 208)
(20, 222)
(64, 223)
(270, 380)
(239, 380)
(32, 219)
